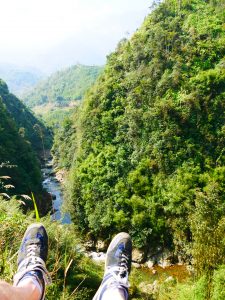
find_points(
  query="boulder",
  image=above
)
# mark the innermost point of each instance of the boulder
(170, 279)
(89, 245)
(136, 265)
(154, 272)
(150, 263)
(163, 258)
(148, 288)
(98, 256)
(138, 256)
(101, 246)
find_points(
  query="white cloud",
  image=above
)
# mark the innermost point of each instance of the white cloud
(32, 28)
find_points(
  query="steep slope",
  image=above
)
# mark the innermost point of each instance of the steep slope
(19, 140)
(25, 175)
(148, 154)
(28, 125)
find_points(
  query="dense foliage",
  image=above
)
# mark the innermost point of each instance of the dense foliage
(63, 87)
(54, 99)
(148, 151)
(29, 127)
(22, 138)
(15, 150)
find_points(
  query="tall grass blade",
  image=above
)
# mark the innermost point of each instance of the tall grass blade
(35, 208)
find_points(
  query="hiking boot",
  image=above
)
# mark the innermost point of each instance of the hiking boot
(118, 258)
(32, 256)
(117, 266)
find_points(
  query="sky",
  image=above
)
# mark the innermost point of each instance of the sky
(51, 34)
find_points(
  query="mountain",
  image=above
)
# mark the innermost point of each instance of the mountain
(14, 149)
(21, 138)
(18, 79)
(147, 151)
(28, 125)
(55, 97)
(63, 87)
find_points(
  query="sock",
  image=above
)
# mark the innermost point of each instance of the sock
(111, 292)
(36, 278)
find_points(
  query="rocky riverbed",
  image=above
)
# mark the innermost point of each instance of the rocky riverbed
(53, 186)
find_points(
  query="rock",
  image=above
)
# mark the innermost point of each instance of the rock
(146, 288)
(136, 265)
(155, 286)
(53, 196)
(150, 263)
(190, 269)
(89, 245)
(170, 279)
(164, 263)
(101, 246)
(149, 288)
(137, 256)
(164, 259)
(49, 165)
(60, 175)
(180, 260)
(98, 256)
(52, 173)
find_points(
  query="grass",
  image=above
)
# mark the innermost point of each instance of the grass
(35, 208)
(75, 276)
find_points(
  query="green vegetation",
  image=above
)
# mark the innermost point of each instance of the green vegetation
(144, 151)
(25, 174)
(61, 90)
(63, 86)
(147, 154)
(22, 138)
(64, 143)
(82, 275)
(29, 127)
(75, 276)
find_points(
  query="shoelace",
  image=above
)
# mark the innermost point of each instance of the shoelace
(120, 273)
(32, 263)
(31, 250)
(124, 265)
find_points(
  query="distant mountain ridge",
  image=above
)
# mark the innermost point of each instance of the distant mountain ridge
(63, 87)
(20, 80)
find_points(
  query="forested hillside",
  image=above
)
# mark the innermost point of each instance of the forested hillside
(20, 137)
(148, 141)
(29, 127)
(15, 150)
(63, 86)
(55, 97)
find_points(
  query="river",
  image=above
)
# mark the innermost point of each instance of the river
(53, 187)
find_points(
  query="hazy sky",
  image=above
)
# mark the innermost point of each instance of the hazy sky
(50, 34)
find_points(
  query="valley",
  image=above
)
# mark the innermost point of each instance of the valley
(136, 146)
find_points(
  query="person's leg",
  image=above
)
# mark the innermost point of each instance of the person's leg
(32, 275)
(115, 284)
(115, 293)
(27, 291)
